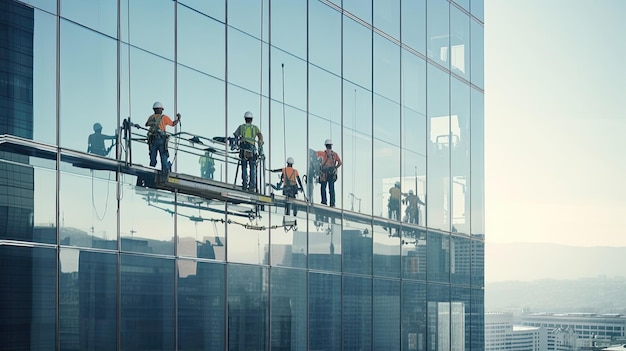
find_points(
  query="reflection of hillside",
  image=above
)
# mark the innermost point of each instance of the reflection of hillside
(76, 237)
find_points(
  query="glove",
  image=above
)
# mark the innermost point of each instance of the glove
(178, 115)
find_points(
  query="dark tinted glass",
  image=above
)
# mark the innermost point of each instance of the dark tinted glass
(247, 307)
(27, 298)
(87, 300)
(147, 303)
(357, 313)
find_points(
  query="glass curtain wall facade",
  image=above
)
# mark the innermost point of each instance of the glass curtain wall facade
(92, 257)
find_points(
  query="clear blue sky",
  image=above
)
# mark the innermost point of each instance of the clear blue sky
(555, 82)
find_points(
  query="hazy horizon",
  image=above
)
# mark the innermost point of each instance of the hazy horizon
(554, 92)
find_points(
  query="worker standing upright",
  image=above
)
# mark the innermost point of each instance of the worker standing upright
(207, 164)
(291, 183)
(95, 142)
(157, 136)
(248, 155)
(393, 205)
(329, 163)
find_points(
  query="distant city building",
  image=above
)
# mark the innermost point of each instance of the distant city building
(591, 330)
(502, 335)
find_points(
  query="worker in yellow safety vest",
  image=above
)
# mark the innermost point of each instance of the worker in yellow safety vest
(248, 134)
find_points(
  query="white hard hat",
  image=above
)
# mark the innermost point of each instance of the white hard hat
(328, 142)
(411, 192)
(248, 114)
(157, 105)
(290, 160)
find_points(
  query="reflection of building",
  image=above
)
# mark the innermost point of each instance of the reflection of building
(195, 264)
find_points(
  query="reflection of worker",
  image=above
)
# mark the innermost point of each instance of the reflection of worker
(412, 209)
(248, 155)
(291, 183)
(329, 163)
(393, 205)
(95, 142)
(157, 136)
(207, 165)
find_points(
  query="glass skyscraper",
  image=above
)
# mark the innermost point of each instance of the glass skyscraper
(100, 252)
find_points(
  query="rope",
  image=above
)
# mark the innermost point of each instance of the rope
(93, 200)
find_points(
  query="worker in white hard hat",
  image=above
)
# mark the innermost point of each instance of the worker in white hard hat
(95, 142)
(329, 162)
(291, 183)
(393, 205)
(157, 136)
(248, 134)
(412, 210)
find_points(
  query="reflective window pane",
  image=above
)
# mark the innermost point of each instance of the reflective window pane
(27, 198)
(325, 244)
(201, 305)
(477, 60)
(386, 17)
(438, 297)
(386, 249)
(478, 319)
(414, 253)
(461, 256)
(246, 16)
(414, 316)
(200, 227)
(288, 309)
(201, 42)
(247, 307)
(357, 53)
(478, 263)
(386, 69)
(387, 190)
(247, 244)
(324, 43)
(437, 32)
(289, 244)
(386, 314)
(324, 311)
(147, 303)
(459, 43)
(146, 218)
(87, 300)
(44, 78)
(438, 121)
(438, 253)
(88, 79)
(89, 207)
(357, 313)
(99, 15)
(460, 142)
(139, 28)
(201, 104)
(214, 8)
(413, 22)
(288, 26)
(478, 9)
(357, 245)
(359, 8)
(47, 5)
(478, 163)
(28, 298)
(460, 318)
